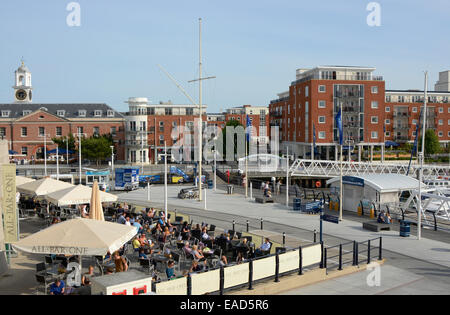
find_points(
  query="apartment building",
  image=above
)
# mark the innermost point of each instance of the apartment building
(314, 99)
(371, 115)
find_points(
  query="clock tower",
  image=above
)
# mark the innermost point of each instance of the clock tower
(23, 88)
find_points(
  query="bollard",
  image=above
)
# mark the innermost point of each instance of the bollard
(315, 236)
(354, 253)
(251, 190)
(250, 275)
(284, 239)
(247, 226)
(357, 254)
(222, 280)
(325, 258)
(380, 253)
(300, 261)
(234, 223)
(321, 255)
(359, 211)
(277, 267)
(262, 224)
(368, 252)
(189, 285)
(372, 213)
(340, 257)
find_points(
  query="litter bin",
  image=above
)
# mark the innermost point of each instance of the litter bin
(210, 183)
(405, 228)
(297, 204)
(230, 189)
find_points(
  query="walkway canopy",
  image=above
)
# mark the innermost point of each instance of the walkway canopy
(77, 195)
(382, 183)
(20, 180)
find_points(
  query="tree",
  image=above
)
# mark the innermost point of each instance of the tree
(231, 124)
(432, 145)
(97, 148)
(62, 142)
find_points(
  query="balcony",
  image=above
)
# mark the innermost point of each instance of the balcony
(401, 127)
(401, 114)
(136, 143)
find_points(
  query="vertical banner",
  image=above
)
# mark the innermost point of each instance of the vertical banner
(9, 207)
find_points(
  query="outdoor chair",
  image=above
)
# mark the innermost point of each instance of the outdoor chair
(43, 282)
(41, 267)
(147, 265)
(212, 228)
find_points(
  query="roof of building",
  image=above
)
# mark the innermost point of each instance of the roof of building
(385, 182)
(71, 110)
(416, 91)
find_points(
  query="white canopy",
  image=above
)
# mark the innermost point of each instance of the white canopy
(43, 187)
(20, 180)
(78, 237)
(76, 195)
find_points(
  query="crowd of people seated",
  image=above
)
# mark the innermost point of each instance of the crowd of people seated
(384, 217)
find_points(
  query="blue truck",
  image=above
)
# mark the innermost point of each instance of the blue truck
(127, 178)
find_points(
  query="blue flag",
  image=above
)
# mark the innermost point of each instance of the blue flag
(314, 137)
(249, 128)
(339, 126)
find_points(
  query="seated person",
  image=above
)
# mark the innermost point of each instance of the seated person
(187, 249)
(170, 270)
(265, 247)
(196, 254)
(167, 253)
(206, 238)
(239, 258)
(136, 244)
(86, 279)
(196, 267)
(57, 288)
(142, 254)
(138, 225)
(223, 261)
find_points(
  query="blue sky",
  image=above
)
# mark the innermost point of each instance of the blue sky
(253, 47)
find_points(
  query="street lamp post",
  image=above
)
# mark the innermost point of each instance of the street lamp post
(57, 162)
(112, 166)
(45, 151)
(79, 135)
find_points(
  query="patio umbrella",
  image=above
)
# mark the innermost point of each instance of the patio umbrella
(96, 209)
(20, 180)
(82, 237)
(76, 195)
(43, 187)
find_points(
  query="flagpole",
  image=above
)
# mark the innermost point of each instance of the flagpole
(421, 157)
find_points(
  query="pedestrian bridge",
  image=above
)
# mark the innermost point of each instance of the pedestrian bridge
(327, 169)
(271, 165)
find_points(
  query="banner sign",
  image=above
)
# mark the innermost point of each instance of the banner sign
(10, 217)
(350, 180)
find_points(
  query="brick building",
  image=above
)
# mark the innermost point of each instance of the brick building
(314, 99)
(28, 126)
(149, 126)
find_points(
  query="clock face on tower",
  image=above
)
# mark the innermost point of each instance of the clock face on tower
(21, 95)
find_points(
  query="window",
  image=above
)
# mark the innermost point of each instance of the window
(161, 126)
(96, 131)
(110, 113)
(5, 113)
(26, 112)
(168, 111)
(414, 110)
(2, 131)
(441, 122)
(414, 133)
(388, 109)
(322, 88)
(374, 89)
(388, 133)
(189, 111)
(441, 110)
(60, 113)
(24, 150)
(448, 134)
(161, 140)
(374, 135)
(322, 104)
(41, 131)
(98, 113)
(448, 110)
(388, 98)
(321, 119)
(81, 113)
(306, 91)
(387, 122)
(113, 131)
(79, 130)
(448, 122)
(374, 105)
(321, 134)
(24, 131)
(59, 131)
(441, 134)
(374, 119)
